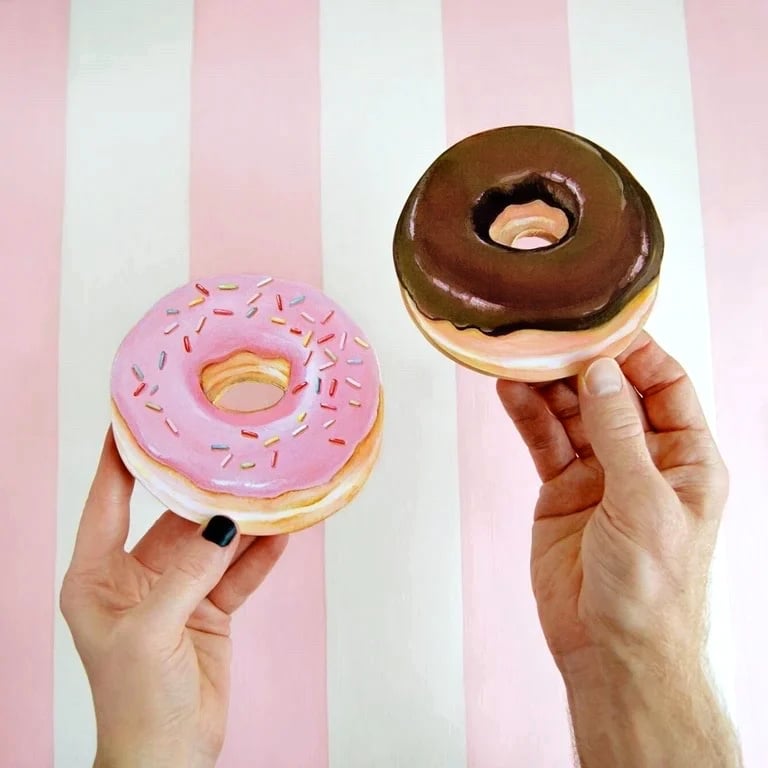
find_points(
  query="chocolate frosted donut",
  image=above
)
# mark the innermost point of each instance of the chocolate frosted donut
(458, 265)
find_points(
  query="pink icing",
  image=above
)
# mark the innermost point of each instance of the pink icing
(182, 435)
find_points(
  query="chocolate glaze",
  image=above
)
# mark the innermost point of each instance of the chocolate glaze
(452, 269)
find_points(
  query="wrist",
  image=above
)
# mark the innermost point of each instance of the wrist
(136, 752)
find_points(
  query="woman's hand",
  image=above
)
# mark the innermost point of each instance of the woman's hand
(623, 536)
(152, 626)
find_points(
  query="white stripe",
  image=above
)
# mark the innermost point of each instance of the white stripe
(125, 244)
(632, 94)
(393, 559)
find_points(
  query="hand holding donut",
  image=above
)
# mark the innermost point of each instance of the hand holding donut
(624, 532)
(152, 625)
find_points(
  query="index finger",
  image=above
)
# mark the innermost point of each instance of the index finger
(669, 397)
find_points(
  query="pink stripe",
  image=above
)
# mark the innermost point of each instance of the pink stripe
(508, 64)
(255, 184)
(729, 78)
(33, 75)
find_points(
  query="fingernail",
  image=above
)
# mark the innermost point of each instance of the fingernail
(220, 530)
(604, 377)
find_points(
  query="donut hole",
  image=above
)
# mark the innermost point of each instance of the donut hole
(245, 382)
(531, 215)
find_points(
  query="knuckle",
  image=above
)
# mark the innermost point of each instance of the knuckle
(623, 424)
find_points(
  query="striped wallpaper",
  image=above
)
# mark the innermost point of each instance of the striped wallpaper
(145, 142)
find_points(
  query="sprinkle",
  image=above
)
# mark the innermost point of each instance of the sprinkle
(296, 300)
(265, 281)
(299, 387)
(337, 441)
(171, 328)
(223, 312)
(326, 366)
(271, 441)
(154, 407)
(329, 423)
(278, 320)
(161, 360)
(255, 297)
(279, 302)
(302, 416)
(353, 382)
(307, 339)
(247, 465)
(297, 331)
(137, 372)
(201, 324)
(251, 312)
(172, 426)
(249, 433)
(274, 458)
(187, 344)
(363, 344)
(196, 302)
(327, 337)
(202, 289)
(226, 461)
(307, 317)
(330, 355)
(139, 389)
(328, 317)
(309, 357)
(334, 384)
(219, 447)
(228, 287)
(303, 428)
(343, 341)
(154, 389)
(354, 361)
(171, 311)
(328, 407)
(318, 386)
(355, 403)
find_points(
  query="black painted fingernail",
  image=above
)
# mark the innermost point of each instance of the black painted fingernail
(220, 530)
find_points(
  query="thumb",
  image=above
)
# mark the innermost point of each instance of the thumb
(194, 572)
(614, 425)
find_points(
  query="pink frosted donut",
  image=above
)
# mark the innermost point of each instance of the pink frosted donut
(274, 470)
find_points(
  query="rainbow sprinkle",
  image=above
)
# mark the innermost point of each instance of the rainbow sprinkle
(279, 302)
(274, 458)
(172, 426)
(201, 324)
(326, 366)
(196, 302)
(329, 423)
(330, 354)
(343, 341)
(154, 389)
(137, 372)
(328, 317)
(228, 287)
(355, 403)
(255, 297)
(296, 300)
(219, 447)
(202, 289)
(327, 337)
(353, 382)
(227, 459)
(302, 416)
(249, 433)
(299, 387)
(334, 384)
(161, 360)
(354, 361)
(363, 344)
(187, 344)
(303, 428)
(252, 311)
(328, 407)
(139, 389)
(337, 441)
(154, 407)
(297, 331)
(171, 328)
(265, 281)
(271, 441)
(309, 357)
(307, 338)
(247, 464)
(319, 385)
(307, 317)
(223, 312)
(278, 320)
(171, 311)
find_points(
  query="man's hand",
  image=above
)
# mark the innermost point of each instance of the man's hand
(624, 532)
